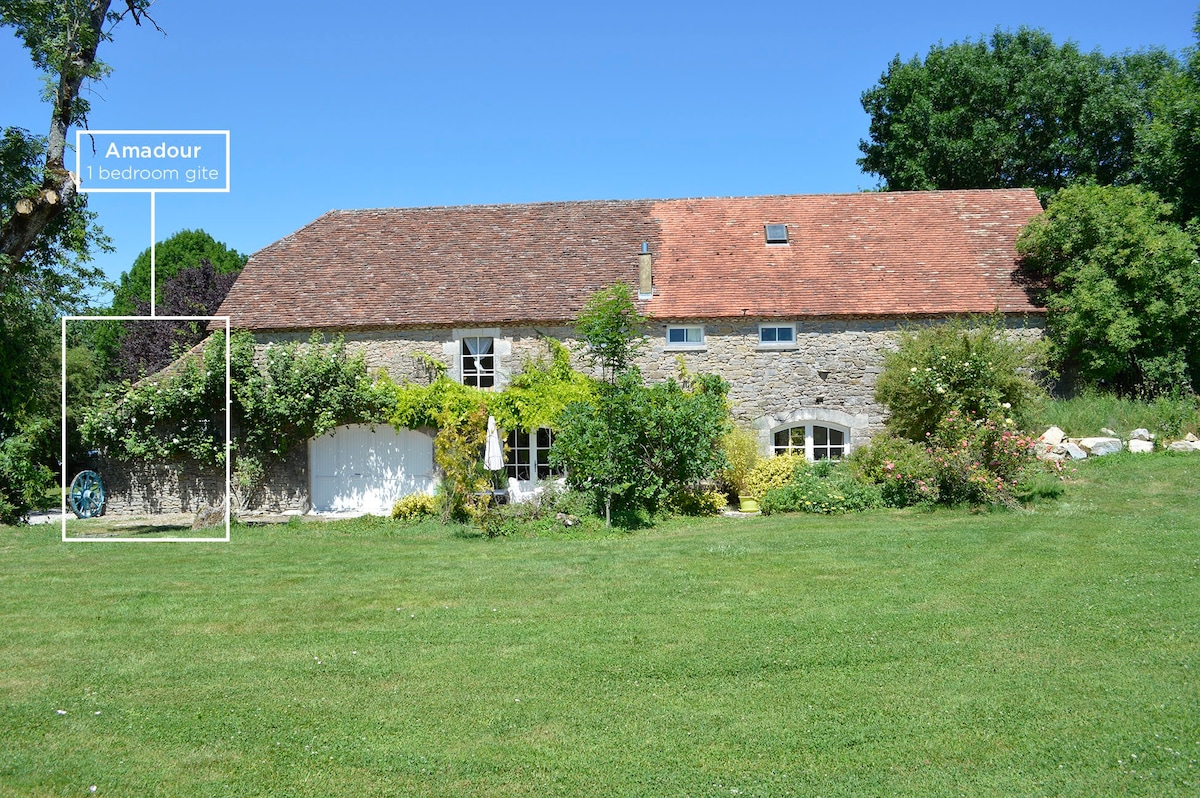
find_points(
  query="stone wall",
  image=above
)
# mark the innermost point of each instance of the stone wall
(405, 354)
(185, 486)
(179, 486)
(828, 374)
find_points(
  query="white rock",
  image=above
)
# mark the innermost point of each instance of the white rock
(1053, 436)
(1191, 438)
(1071, 450)
(1109, 432)
(1184, 446)
(1140, 446)
(1098, 447)
(1141, 434)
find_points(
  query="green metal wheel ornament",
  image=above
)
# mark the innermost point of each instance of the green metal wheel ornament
(87, 495)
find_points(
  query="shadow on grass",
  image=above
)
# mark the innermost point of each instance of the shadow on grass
(143, 527)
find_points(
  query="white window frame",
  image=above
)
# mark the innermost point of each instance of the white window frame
(688, 331)
(478, 373)
(789, 344)
(811, 450)
(530, 450)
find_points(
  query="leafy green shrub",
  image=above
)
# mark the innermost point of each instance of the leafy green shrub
(968, 365)
(551, 512)
(698, 502)
(903, 470)
(23, 482)
(774, 472)
(414, 507)
(1121, 286)
(823, 489)
(741, 455)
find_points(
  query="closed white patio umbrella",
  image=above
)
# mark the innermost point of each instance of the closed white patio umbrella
(493, 454)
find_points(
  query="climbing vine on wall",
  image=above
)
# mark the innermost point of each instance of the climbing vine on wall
(292, 392)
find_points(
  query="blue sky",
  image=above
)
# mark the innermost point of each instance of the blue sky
(373, 104)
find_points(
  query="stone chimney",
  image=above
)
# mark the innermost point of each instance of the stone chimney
(645, 273)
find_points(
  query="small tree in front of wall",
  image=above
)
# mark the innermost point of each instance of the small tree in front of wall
(633, 446)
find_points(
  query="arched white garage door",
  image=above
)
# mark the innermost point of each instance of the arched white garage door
(355, 468)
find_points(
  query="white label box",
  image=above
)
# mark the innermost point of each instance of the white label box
(152, 160)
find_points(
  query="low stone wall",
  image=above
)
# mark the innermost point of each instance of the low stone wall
(185, 486)
(141, 488)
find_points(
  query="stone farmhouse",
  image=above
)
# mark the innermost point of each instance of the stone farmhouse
(792, 299)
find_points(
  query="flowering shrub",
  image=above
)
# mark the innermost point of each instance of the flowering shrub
(903, 470)
(179, 414)
(964, 460)
(979, 460)
(972, 366)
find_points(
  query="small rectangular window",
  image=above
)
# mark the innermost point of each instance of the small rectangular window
(685, 336)
(777, 334)
(478, 362)
(776, 233)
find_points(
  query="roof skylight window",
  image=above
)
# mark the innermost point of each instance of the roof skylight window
(777, 233)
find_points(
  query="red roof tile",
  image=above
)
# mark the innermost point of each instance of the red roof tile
(870, 254)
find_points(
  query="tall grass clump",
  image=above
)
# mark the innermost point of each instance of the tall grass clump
(1168, 416)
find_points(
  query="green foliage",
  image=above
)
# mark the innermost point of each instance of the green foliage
(599, 445)
(458, 450)
(964, 460)
(635, 445)
(774, 472)
(414, 507)
(552, 513)
(24, 480)
(299, 392)
(1121, 287)
(1015, 110)
(904, 471)
(741, 455)
(630, 444)
(1169, 143)
(611, 330)
(533, 398)
(54, 267)
(173, 414)
(824, 489)
(697, 501)
(969, 365)
(1091, 411)
(979, 461)
(183, 250)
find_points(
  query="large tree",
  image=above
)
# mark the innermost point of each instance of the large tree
(43, 215)
(150, 345)
(1169, 144)
(184, 250)
(47, 234)
(1015, 110)
(212, 266)
(1122, 288)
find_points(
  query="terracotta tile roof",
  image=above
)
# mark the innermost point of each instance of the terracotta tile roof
(871, 254)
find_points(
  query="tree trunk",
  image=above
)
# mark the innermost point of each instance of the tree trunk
(58, 185)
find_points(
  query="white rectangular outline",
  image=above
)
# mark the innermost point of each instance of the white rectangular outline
(228, 427)
(78, 176)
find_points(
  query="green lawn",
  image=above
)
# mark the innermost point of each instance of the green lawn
(1046, 652)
